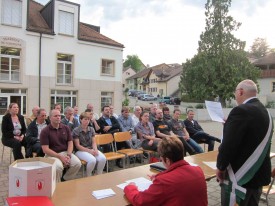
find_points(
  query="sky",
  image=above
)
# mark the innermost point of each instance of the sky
(168, 31)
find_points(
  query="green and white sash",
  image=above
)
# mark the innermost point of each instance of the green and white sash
(234, 186)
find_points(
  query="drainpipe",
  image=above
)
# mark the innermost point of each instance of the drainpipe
(39, 71)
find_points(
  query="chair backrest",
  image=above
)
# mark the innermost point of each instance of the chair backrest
(122, 136)
(102, 139)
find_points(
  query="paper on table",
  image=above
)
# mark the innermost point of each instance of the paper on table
(141, 183)
(99, 194)
(211, 164)
(215, 111)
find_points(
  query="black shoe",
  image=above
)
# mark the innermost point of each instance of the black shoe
(62, 179)
(119, 163)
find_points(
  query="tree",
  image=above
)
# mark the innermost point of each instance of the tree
(134, 62)
(221, 61)
(259, 48)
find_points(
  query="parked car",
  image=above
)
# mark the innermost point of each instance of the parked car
(175, 101)
(148, 97)
(132, 92)
(140, 95)
(165, 100)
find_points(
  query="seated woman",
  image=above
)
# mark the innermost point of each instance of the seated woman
(180, 185)
(146, 133)
(13, 131)
(85, 144)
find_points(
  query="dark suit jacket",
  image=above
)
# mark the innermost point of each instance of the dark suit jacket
(192, 128)
(7, 126)
(245, 128)
(115, 125)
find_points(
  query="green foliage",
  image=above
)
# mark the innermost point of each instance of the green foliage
(133, 61)
(259, 48)
(126, 102)
(199, 106)
(270, 104)
(221, 62)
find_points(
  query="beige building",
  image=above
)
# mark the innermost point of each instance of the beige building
(48, 56)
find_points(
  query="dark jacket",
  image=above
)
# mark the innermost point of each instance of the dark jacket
(192, 128)
(245, 128)
(115, 125)
(7, 126)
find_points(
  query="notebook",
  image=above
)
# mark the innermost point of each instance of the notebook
(158, 166)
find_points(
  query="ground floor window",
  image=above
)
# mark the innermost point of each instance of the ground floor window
(107, 98)
(273, 86)
(8, 96)
(63, 97)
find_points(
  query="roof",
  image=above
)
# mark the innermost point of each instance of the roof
(87, 32)
(265, 60)
(174, 72)
(140, 74)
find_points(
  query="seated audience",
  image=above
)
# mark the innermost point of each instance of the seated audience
(69, 119)
(196, 132)
(76, 115)
(91, 107)
(92, 123)
(33, 134)
(112, 111)
(57, 143)
(136, 114)
(33, 116)
(127, 124)
(84, 141)
(180, 185)
(146, 133)
(153, 110)
(13, 131)
(58, 107)
(179, 129)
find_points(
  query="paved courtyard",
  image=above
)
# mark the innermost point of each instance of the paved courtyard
(212, 186)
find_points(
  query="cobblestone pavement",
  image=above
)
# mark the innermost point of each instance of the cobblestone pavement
(212, 186)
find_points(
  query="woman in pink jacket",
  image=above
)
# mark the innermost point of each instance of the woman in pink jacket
(180, 185)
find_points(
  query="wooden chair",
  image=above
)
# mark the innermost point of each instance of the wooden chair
(126, 136)
(3, 154)
(83, 165)
(269, 189)
(103, 139)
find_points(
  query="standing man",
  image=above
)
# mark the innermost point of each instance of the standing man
(243, 157)
(33, 134)
(196, 132)
(57, 143)
(33, 116)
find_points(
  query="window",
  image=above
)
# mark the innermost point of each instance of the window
(66, 23)
(106, 98)
(65, 98)
(108, 67)
(12, 12)
(273, 86)
(64, 69)
(10, 64)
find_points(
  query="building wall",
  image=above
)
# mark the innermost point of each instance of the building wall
(126, 74)
(265, 94)
(173, 84)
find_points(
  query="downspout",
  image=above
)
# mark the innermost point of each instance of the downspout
(39, 71)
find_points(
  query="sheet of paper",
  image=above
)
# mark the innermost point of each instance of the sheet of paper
(211, 164)
(141, 183)
(215, 111)
(99, 194)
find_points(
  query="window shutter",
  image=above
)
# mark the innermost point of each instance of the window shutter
(12, 12)
(66, 23)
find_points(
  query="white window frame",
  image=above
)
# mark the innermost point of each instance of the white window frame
(108, 67)
(107, 98)
(66, 23)
(64, 98)
(62, 78)
(11, 74)
(11, 13)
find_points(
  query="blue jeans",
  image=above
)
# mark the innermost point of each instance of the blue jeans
(205, 138)
(195, 145)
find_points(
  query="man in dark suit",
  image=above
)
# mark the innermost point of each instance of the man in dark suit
(243, 158)
(196, 132)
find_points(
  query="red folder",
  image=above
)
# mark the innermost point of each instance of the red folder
(29, 201)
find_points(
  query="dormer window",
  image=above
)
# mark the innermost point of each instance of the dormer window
(66, 23)
(11, 12)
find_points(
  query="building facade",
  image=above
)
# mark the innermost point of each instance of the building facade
(48, 56)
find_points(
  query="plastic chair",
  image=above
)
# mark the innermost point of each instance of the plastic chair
(3, 154)
(126, 136)
(269, 189)
(103, 139)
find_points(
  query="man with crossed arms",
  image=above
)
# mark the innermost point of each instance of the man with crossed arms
(246, 139)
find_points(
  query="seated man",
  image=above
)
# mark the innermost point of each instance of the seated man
(33, 134)
(69, 119)
(91, 107)
(127, 124)
(152, 114)
(33, 116)
(196, 132)
(181, 184)
(178, 128)
(57, 143)
(163, 130)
